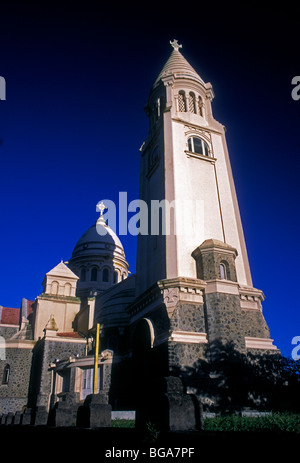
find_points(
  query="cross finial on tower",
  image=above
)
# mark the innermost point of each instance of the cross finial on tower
(101, 207)
(175, 44)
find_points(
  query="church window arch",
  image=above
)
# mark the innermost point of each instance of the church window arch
(54, 287)
(67, 289)
(181, 101)
(105, 275)
(224, 270)
(192, 103)
(94, 274)
(198, 145)
(200, 106)
(6, 374)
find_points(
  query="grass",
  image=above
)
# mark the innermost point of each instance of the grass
(275, 422)
(118, 423)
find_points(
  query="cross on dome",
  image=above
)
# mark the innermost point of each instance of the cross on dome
(101, 207)
(175, 44)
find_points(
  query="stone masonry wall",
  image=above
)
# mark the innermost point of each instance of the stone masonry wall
(254, 324)
(8, 331)
(208, 265)
(13, 396)
(184, 355)
(49, 351)
(224, 319)
(188, 317)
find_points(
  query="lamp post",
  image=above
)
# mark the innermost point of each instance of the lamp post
(96, 359)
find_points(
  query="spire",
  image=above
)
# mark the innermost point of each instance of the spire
(178, 65)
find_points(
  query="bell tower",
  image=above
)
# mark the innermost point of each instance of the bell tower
(185, 169)
(194, 255)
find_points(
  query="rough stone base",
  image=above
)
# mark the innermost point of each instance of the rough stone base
(41, 417)
(64, 413)
(27, 416)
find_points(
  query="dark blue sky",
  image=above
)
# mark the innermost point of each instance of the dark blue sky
(77, 81)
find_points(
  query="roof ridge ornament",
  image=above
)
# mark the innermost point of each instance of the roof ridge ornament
(175, 45)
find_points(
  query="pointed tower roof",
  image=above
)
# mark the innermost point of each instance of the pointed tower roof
(61, 270)
(178, 65)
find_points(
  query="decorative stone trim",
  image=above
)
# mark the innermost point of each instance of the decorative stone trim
(106, 357)
(210, 159)
(64, 339)
(145, 302)
(259, 343)
(222, 286)
(19, 344)
(188, 337)
(168, 292)
(251, 298)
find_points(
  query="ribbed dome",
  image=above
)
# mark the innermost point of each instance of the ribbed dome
(98, 259)
(178, 65)
(96, 239)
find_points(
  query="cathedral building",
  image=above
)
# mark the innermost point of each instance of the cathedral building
(192, 286)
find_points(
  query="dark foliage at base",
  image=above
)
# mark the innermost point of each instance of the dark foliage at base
(227, 380)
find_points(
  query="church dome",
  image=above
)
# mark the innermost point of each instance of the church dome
(98, 259)
(96, 239)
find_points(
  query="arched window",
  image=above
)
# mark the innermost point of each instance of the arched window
(105, 275)
(83, 274)
(198, 146)
(223, 272)
(67, 289)
(6, 374)
(192, 103)
(94, 274)
(181, 102)
(200, 105)
(116, 277)
(54, 287)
